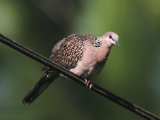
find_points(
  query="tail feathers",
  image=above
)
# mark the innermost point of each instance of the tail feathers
(40, 86)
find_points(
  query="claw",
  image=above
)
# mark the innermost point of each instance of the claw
(88, 83)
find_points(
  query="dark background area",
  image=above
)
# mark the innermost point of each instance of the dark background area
(132, 70)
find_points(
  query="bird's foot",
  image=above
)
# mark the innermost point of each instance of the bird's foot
(88, 83)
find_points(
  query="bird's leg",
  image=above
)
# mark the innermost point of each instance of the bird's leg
(88, 83)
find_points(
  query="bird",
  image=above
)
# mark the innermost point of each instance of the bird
(84, 55)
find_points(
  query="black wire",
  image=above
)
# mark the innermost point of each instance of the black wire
(101, 91)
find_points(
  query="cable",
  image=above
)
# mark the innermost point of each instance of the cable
(99, 90)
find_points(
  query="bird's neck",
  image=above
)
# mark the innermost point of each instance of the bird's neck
(103, 51)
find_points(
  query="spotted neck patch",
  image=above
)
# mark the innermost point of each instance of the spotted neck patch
(98, 42)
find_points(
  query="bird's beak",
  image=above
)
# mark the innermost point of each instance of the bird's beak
(117, 44)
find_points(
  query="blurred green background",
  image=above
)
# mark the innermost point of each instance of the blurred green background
(132, 70)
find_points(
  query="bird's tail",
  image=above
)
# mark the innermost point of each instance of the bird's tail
(40, 86)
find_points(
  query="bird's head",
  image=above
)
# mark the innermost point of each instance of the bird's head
(112, 38)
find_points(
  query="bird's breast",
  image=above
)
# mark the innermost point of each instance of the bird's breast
(102, 54)
(92, 61)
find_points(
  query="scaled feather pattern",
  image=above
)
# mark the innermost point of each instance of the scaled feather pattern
(84, 55)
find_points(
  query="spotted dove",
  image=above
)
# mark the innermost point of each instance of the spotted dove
(84, 55)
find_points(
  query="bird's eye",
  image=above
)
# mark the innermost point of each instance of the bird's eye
(110, 36)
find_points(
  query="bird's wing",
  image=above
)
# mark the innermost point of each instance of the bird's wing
(69, 51)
